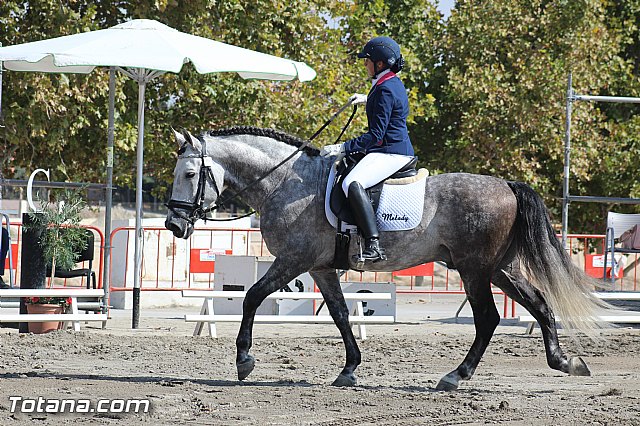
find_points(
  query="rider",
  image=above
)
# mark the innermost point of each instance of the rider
(386, 144)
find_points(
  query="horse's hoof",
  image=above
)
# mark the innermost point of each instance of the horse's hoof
(345, 380)
(447, 384)
(577, 367)
(245, 367)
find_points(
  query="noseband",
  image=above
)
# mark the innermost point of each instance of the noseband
(195, 208)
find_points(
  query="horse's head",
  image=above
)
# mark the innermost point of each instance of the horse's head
(197, 183)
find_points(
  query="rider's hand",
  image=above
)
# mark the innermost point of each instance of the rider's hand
(328, 150)
(358, 98)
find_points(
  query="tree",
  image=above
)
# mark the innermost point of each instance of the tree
(506, 65)
(623, 123)
(60, 121)
(54, 121)
(487, 87)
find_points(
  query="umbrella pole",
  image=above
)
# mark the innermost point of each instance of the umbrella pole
(135, 318)
(109, 193)
(142, 76)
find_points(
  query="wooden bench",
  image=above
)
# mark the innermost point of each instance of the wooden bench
(208, 317)
(92, 299)
(609, 295)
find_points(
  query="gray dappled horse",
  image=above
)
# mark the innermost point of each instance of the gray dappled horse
(490, 230)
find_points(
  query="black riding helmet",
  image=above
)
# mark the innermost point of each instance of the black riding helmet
(383, 49)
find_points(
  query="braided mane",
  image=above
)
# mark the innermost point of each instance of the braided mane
(269, 133)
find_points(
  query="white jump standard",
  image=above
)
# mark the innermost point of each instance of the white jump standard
(209, 318)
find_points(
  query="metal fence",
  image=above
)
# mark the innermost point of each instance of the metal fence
(172, 264)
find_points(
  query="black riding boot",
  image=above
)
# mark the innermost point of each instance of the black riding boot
(366, 220)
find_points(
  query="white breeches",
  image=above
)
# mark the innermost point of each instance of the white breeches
(374, 168)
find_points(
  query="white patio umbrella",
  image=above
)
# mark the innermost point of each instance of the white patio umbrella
(143, 49)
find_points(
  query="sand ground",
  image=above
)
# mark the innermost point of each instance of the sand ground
(192, 380)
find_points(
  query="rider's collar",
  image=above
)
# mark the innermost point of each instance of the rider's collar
(379, 76)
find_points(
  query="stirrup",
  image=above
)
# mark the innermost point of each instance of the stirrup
(361, 260)
(372, 253)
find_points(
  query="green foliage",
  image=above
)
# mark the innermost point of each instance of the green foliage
(53, 121)
(60, 121)
(503, 101)
(487, 87)
(507, 65)
(63, 237)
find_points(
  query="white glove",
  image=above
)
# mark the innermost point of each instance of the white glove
(329, 150)
(358, 98)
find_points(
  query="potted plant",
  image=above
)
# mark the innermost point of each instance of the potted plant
(62, 237)
(46, 305)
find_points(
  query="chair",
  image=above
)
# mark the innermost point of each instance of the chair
(83, 255)
(617, 224)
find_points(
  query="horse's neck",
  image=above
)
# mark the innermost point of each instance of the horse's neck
(246, 160)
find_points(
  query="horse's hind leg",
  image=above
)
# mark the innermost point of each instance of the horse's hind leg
(485, 318)
(278, 275)
(329, 284)
(517, 287)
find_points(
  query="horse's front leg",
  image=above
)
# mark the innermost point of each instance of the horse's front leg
(329, 284)
(278, 275)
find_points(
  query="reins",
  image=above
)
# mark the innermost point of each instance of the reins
(196, 207)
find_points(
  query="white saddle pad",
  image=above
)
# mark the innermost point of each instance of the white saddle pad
(401, 203)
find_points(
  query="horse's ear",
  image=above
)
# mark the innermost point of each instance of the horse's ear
(195, 142)
(179, 137)
(183, 137)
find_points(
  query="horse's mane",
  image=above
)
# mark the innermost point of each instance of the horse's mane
(269, 133)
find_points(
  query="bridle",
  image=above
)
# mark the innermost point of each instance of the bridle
(196, 209)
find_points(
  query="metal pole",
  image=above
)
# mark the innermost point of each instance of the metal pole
(595, 199)
(615, 99)
(567, 159)
(21, 183)
(108, 190)
(138, 235)
(142, 76)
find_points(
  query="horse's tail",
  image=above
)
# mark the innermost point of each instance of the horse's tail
(566, 288)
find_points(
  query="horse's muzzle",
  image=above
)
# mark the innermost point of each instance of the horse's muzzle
(180, 227)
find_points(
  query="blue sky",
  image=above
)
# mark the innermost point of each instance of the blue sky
(445, 6)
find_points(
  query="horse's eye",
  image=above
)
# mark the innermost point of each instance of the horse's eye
(191, 175)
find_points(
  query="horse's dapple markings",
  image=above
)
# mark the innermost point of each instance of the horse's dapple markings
(487, 228)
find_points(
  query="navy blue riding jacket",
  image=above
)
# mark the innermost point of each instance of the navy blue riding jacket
(387, 112)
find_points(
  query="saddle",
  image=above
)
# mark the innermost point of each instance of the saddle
(338, 202)
(340, 207)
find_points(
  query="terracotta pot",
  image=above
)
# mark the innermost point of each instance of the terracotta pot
(46, 326)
